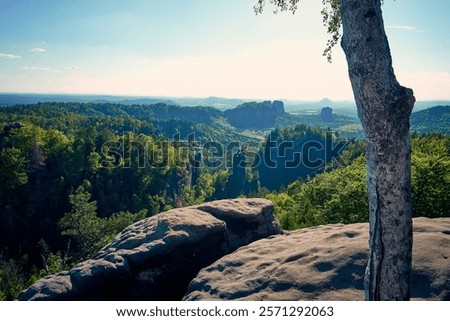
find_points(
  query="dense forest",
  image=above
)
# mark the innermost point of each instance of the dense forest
(75, 174)
(435, 119)
(340, 195)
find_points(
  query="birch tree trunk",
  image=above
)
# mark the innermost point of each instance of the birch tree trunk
(384, 108)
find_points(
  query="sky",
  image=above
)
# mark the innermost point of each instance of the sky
(201, 48)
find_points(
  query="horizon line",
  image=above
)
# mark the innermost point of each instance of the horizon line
(193, 97)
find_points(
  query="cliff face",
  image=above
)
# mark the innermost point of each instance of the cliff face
(326, 115)
(235, 250)
(255, 115)
(156, 258)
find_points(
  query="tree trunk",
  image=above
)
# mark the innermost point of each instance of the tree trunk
(384, 108)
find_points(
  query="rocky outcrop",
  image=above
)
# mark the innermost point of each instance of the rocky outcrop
(156, 258)
(322, 263)
(278, 105)
(235, 250)
(254, 115)
(326, 115)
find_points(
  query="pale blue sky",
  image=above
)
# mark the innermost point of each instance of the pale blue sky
(205, 48)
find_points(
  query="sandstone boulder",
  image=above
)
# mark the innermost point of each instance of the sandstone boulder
(322, 263)
(156, 258)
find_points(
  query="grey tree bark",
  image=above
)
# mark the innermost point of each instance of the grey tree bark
(384, 107)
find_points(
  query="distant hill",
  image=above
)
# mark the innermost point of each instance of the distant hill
(424, 104)
(295, 106)
(435, 119)
(139, 101)
(8, 99)
(216, 102)
(28, 99)
(349, 107)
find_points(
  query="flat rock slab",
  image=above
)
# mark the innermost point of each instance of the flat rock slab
(156, 258)
(322, 263)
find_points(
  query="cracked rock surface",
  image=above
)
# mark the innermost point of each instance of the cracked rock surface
(156, 258)
(322, 263)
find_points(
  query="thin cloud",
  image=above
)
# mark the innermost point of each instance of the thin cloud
(8, 56)
(38, 50)
(28, 68)
(407, 28)
(72, 68)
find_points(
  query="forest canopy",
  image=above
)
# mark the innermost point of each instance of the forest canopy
(74, 175)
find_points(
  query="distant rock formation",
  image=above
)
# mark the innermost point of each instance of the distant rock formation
(279, 107)
(255, 115)
(156, 258)
(322, 263)
(326, 115)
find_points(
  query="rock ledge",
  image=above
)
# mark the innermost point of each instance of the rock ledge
(156, 258)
